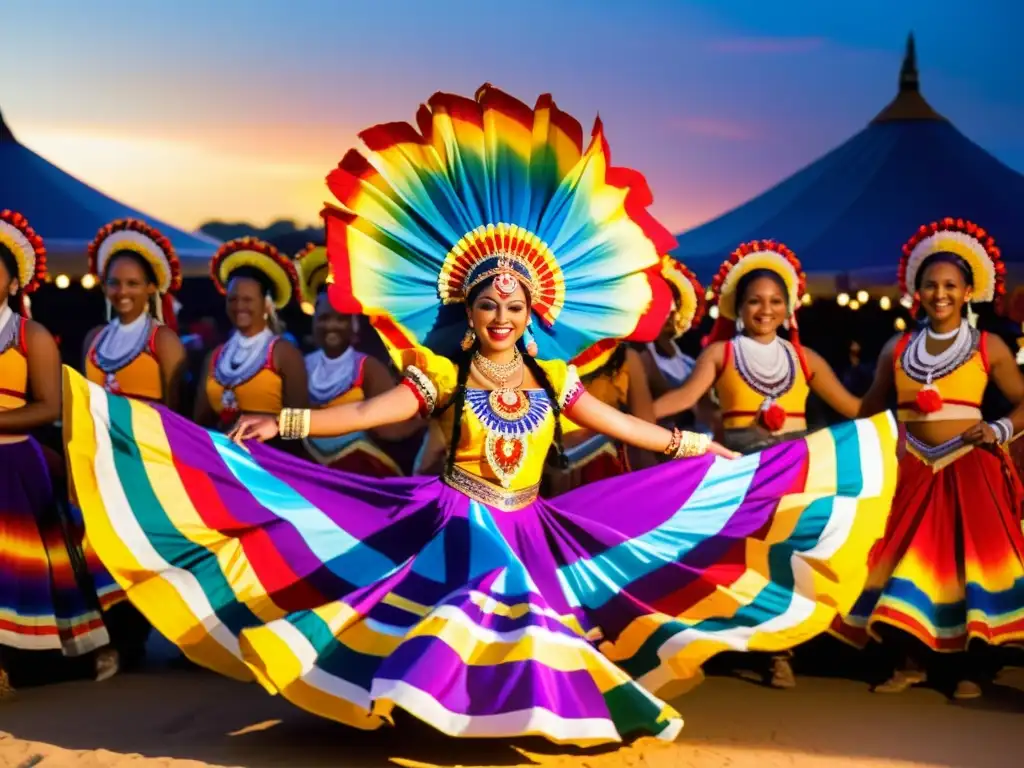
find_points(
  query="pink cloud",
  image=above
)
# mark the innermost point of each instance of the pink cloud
(714, 128)
(766, 44)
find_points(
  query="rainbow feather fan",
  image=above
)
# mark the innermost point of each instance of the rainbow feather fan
(484, 177)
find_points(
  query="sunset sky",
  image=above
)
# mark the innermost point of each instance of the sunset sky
(193, 110)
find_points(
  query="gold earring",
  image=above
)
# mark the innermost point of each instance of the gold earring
(468, 340)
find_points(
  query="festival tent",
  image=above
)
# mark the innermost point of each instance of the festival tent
(847, 214)
(67, 213)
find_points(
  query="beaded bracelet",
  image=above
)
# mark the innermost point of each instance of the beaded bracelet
(293, 423)
(1003, 429)
(674, 442)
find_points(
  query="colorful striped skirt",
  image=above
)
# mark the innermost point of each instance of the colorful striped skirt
(573, 620)
(357, 453)
(46, 597)
(951, 566)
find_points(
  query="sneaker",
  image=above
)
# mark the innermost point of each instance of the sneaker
(901, 680)
(967, 690)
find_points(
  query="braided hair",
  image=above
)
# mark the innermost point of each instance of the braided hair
(458, 399)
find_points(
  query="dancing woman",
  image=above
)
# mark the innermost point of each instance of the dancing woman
(255, 371)
(338, 373)
(46, 597)
(138, 353)
(666, 366)
(762, 381)
(466, 599)
(948, 578)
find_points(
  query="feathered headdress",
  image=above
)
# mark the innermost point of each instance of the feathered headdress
(961, 238)
(150, 245)
(29, 253)
(489, 187)
(689, 301)
(264, 258)
(311, 263)
(756, 254)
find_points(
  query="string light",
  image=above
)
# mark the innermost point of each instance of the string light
(843, 299)
(862, 297)
(88, 282)
(709, 294)
(855, 304)
(713, 313)
(806, 299)
(308, 308)
(885, 303)
(907, 301)
(62, 281)
(900, 324)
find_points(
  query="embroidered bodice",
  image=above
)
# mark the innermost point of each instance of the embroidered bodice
(123, 359)
(741, 395)
(959, 384)
(244, 380)
(504, 441)
(13, 360)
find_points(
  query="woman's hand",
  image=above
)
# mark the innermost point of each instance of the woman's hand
(980, 433)
(254, 427)
(720, 450)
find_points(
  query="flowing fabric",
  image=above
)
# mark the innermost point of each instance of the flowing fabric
(351, 596)
(951, 565)
(46, 603)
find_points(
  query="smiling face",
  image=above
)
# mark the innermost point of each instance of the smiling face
(128, 287)
(762, 307)
(943, 291)
(499, 321)
(246, 305)
(332, 331)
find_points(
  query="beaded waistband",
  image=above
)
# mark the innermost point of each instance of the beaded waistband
(488, 493)
(938, 456)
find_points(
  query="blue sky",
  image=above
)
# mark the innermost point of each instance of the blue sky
(193, 110)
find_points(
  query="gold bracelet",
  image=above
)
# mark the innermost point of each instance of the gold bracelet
(673, 443)
(293, 423)
(692, 444)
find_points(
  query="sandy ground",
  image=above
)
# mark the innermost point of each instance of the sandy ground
(170, 717)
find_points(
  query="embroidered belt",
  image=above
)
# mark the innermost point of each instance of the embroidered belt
(488, 493)
(938, 456)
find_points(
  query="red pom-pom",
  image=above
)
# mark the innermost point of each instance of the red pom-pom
(928, 400)
(773, 417)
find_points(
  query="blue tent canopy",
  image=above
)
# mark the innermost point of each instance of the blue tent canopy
(67, 213)
(847, 215)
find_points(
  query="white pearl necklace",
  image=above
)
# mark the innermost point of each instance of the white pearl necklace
(924, 367)
(768, 369)
(242, 357)
(330, 377)
(120, 343)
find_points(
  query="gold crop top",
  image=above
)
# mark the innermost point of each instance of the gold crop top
(956, 396)
(741, 404)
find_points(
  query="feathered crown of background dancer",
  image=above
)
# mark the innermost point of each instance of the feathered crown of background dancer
(689, 302)
(27, 259)
(145, 244)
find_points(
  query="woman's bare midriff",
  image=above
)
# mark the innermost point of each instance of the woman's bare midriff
(938, 432)
(6, 439)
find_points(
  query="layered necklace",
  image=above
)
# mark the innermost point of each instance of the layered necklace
(768, 369)
(8, 328)
(330, 377)
(119, 344)
(242, 358)
(924, 367)
(509, 416)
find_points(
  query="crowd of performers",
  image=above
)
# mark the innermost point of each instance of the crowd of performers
(538, 516)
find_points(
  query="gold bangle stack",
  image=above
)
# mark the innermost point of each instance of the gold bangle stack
(685, 445)
(673, 444)
(293, 423)
(692, 444)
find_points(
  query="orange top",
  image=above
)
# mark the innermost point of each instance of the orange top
(741, 403)
(353, 394)
(261, 393)
(961, 390)
(140, 378)
(14, 371)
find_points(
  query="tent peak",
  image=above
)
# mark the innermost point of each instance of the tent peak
(909, 104)
(5, 132)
